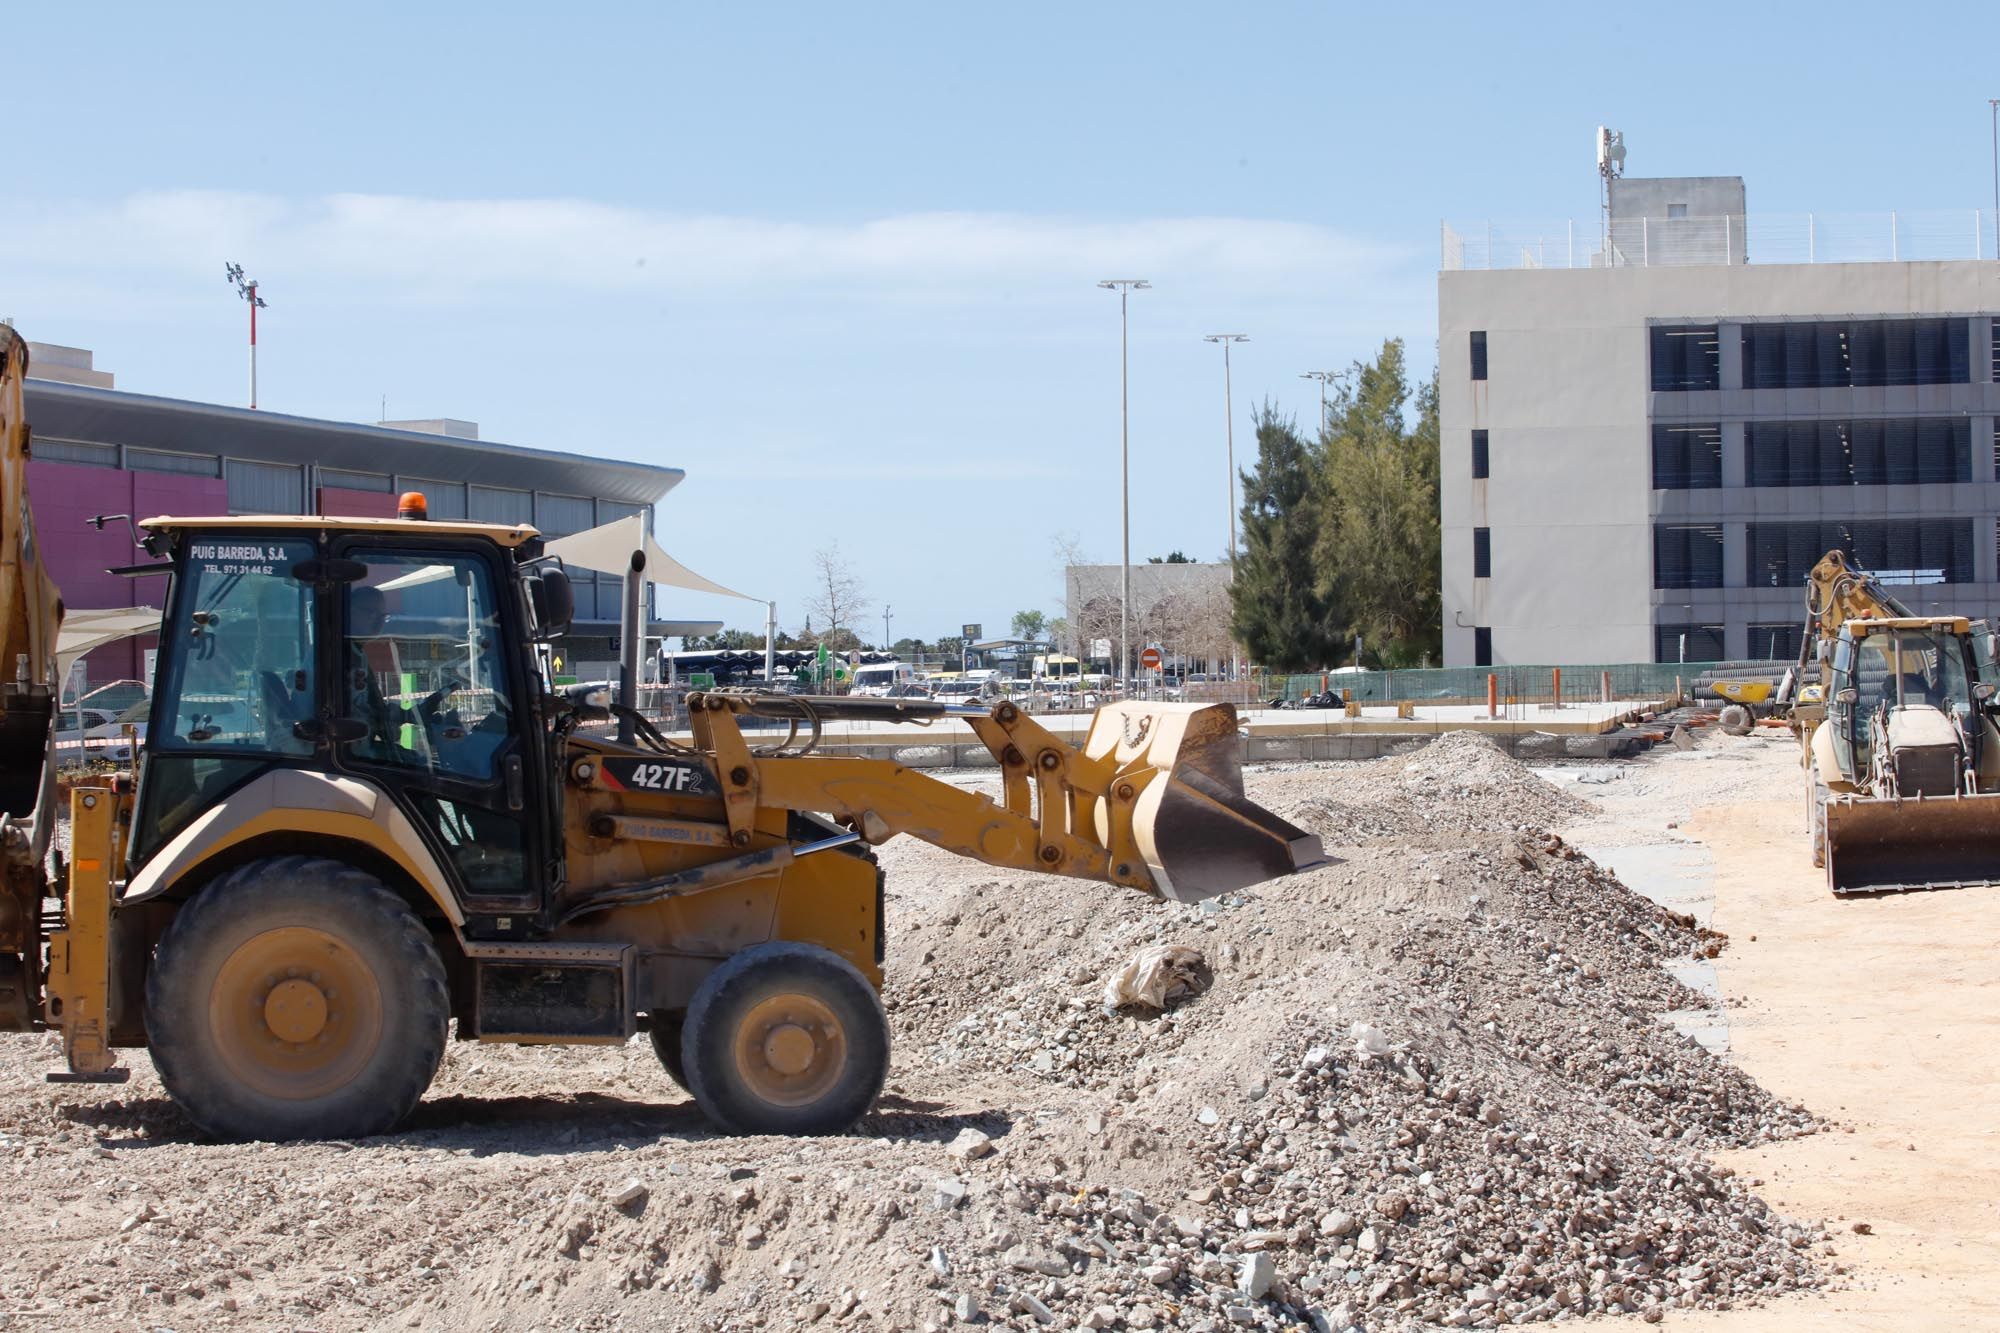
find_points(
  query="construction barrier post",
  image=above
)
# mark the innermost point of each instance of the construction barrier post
(1492, 695)
(1604, 687)
(1557, 687)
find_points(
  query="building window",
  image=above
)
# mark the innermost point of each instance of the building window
(1482, 646)
(1687, 457)
(1687, 556)
(1686, 356)
(1687, 643)
(1677, 210)
(264, 488)
(1895, 452)
(1482, 553)
(1775, 643)
(1916, 551)
(1859, 353)
(356, 481)
(1479, 354)
(75, 451)
(561, 515)
(443, 500)
(1479, 458)
(160, 460)
(494, 504)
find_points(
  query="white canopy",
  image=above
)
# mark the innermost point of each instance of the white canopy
(608, 549)
(85, 630)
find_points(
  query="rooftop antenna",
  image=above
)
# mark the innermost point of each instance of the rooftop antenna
(1610, 166)
(247, 289)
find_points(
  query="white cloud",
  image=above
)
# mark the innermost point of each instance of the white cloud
(440, 247)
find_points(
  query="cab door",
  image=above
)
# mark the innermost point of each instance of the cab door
(429, 682)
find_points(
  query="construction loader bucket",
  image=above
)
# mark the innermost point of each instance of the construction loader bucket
(1885, 845)
(1197, 832)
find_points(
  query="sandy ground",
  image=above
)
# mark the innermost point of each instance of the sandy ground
(1881, 1014)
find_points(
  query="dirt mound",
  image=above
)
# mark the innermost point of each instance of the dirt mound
(1424, 1083)
(1461, 782)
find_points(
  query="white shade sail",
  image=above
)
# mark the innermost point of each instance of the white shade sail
(85, 630)
(608, 549)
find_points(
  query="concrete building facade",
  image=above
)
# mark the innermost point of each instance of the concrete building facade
(1641, 461)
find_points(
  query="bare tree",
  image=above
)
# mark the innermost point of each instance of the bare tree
(837, 596)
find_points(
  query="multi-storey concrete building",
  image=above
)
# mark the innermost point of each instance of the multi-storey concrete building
(1642, 455)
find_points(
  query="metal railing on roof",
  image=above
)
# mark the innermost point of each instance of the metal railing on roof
(1755, 238)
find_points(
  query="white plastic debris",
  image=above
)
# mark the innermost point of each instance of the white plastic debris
(1157, 975)
(1370, 1041)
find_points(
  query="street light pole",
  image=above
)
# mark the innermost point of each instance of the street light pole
(1325, 377)
(1124, 287)
(1229, 441)
(248, 291)
(1993, 105)
(885, 627)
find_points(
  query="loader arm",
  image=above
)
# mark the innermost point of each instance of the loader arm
(1152, 800)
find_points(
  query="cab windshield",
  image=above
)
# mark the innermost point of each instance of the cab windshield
(1910, 669)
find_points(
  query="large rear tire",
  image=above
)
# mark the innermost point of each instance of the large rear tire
(296, 997)
(785, 1038)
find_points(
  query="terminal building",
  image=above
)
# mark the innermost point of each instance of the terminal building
(1652, 430)
(100, 451)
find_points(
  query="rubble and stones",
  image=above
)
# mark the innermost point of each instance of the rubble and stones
(1424, 1084)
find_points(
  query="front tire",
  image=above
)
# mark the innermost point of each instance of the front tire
(785, 1038)
(296, 997)
(1735, 720)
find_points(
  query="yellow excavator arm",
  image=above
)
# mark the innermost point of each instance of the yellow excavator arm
(1837, 592)
(30, 617)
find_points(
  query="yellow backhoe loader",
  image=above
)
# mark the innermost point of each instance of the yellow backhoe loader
(362, 816)
(1902, 757)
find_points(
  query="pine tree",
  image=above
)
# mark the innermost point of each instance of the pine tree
(1282, 609)
(1377, 544)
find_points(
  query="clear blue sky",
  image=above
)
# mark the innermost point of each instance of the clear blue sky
(837, 261)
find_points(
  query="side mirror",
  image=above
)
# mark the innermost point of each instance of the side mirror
(551, 601)
(1848, 697)
(1982, 693)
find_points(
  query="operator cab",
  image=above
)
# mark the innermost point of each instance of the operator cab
(1883, 669)
(397, 652)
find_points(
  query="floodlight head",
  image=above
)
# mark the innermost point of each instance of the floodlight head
(235, 271)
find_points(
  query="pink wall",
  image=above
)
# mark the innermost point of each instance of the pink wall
(356, 504)
(65, 495)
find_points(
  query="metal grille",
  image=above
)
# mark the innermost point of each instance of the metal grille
(1686, 356)
(1777, 643)
(264, 488)
(160, 460)
(1687, 643)
(1862, 353)
(494, 504)
(1687, 556)
(76, 451)
(1896, 451)
(1904, 551)
(1687, 457)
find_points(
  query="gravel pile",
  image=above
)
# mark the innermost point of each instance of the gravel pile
(1424, 1084)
